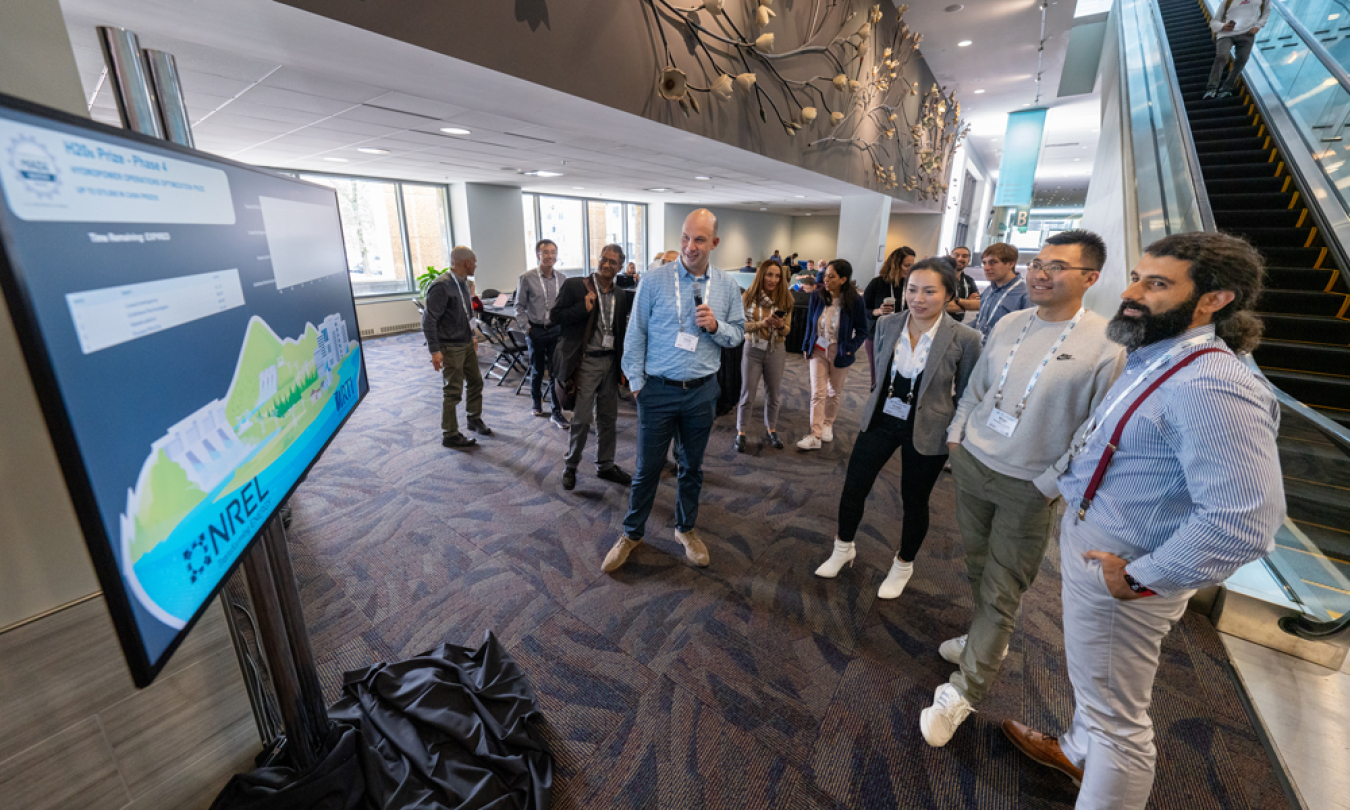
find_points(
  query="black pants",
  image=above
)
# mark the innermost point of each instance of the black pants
(918, 476)
(542, 343)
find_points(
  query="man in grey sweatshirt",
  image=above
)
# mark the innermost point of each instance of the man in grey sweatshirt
(1042, 373)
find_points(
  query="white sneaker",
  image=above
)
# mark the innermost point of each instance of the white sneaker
(896, 579)
(827, 433)
(940, 721)
(843, 555)
(952, 648)
(808, 443)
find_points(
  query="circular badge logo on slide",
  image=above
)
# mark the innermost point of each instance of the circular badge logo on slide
(35, 167)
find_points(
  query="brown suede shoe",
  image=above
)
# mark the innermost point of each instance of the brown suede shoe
(693, 546)
(618, 555)
(1042, 749)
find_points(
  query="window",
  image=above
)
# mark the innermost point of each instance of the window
(606, 227)
(636, 244)
(582, 228)
(392, 231)
(560, 220)
(428, 219)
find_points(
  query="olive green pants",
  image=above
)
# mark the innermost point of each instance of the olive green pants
(460, 370)
(1005, 523)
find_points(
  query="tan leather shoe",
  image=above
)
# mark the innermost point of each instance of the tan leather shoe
(618, 555)
(1042, 749)
(693, 546)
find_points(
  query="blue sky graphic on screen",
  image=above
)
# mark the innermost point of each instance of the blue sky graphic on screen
(199, 322)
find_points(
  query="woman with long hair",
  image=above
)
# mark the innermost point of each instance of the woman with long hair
(888, 286)
(836, 326)
(926, 359)
(768, 318)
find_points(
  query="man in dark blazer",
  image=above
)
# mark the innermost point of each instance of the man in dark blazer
(593, 315)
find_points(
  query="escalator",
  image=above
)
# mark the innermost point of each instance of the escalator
(1252, 192)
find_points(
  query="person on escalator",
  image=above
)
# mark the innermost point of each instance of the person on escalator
(1235, 28)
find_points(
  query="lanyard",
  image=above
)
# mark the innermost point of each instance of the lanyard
(1102, 413)
(979, 321)
(548, 305)
(679, 308)
(1036, 376)
(920, 359)
(464, 298)
(606, 318)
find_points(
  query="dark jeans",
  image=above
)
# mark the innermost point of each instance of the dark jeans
(1241, 45)
(668, 412)
(918, 475)
(542, 343)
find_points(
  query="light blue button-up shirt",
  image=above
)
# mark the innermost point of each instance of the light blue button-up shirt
(1196, 484)
(649, 345)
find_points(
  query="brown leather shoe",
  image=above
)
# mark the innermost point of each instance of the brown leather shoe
(1042, 749)
(618, 555)
(693, 546)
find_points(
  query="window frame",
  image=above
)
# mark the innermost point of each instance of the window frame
(530, 259)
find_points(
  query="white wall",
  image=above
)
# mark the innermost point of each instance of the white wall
(919, 231)
(43, 560)
(491, 221)
(816, 237)
(743, 233)
(1104, 209)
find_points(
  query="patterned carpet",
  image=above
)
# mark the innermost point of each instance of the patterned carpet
(747, 684)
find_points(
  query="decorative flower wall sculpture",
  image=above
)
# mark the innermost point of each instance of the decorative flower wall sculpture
(861, 91)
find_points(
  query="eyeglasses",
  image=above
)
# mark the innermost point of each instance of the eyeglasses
(1055, 268)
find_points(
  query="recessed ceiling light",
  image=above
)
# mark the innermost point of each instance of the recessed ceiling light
(454, 130)
(964, 43)
(578, 188)
(702, 177)
(658, 189)
(337, 160)
(801, 196)
(544, 173)
(977, 92)
(370, 150)
(764, 209)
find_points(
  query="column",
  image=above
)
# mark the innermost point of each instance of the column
(863, 219)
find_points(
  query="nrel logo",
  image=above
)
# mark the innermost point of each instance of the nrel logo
(35, 166)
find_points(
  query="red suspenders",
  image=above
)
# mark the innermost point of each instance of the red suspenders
(1114, 444)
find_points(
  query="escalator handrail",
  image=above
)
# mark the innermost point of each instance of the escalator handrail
(1179, 107)
(1335, 432)
(1323, 55)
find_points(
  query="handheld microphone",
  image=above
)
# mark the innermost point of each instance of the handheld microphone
(698, 302)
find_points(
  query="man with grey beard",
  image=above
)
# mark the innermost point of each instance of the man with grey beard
(1173, 484)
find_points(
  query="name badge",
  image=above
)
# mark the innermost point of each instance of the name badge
(606, 341)
(1003, 423)
(687, 341)
(823, 343)
(896, 407)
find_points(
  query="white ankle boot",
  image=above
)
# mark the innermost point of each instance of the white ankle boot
(896, 579)
(843, 555)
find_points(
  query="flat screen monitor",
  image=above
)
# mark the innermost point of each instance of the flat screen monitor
(189, 327)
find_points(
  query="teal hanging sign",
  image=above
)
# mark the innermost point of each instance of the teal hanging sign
(1021, 150)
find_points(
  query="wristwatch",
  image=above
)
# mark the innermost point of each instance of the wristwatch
(1142, 590)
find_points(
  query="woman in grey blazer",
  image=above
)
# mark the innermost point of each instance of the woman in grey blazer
(924, 358)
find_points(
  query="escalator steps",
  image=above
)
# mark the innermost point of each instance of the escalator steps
(1306, 349)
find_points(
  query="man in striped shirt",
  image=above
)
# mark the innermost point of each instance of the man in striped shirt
(1192, 494)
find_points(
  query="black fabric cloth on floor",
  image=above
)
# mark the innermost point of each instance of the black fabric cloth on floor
(336, 783)
(453, 728)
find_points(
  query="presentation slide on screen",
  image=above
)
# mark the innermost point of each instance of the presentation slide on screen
(199, 322)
